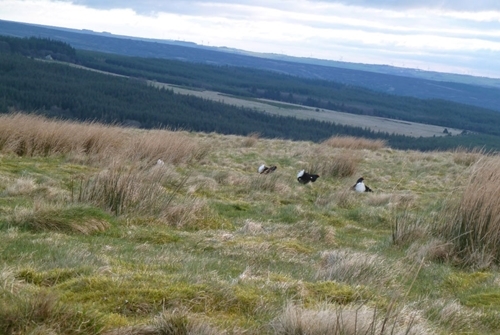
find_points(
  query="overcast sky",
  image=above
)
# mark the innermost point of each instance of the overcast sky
(459, 36)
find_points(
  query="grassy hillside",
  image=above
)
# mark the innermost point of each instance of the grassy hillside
(96, 237)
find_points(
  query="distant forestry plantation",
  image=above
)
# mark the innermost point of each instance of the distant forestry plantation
(35, 77)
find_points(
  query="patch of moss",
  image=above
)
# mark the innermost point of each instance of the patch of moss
(246, 299)
(295, 246)
(461, 281)
(489, 299)
(137, 295)
(330, 291)
(47, 278)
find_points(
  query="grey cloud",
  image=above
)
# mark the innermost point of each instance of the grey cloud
(180, 6)
(148, 7)
(457, 5)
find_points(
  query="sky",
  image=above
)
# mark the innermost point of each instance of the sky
(455, 36)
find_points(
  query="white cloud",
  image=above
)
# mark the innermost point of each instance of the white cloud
(434, 35)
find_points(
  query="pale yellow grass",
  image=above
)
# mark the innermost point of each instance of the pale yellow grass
(21, 186)
(348, 320)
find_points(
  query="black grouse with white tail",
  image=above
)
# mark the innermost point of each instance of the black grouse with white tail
(360, 186)
(303, 177)
(265, 169)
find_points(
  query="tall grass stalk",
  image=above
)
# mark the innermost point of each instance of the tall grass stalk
(472, 224)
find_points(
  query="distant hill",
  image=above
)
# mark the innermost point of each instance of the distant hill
(475, 91)
(52, 78)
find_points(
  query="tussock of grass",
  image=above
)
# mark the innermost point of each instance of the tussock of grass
(47, 278)
(345, 198)
(467, 157)
(341, 165)
(30, 135)
(21, 186)
(271, 183)
(355, 320)
(250, 140)
(44, 313)
(122, 189)
(433, 250)
(9, 283)
(252, 227)
(348, 142)
(193, 214)
(408, 227)
(473, 224)
(356, 268)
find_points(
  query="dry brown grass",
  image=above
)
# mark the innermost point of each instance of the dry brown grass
(434, 250)
(348, 142)
(21, 186)
(355, 268)
(467, 157)
(130, 180)
(341, 165)
(33, 135)
(250, 140)
(171, 147)
(408, 227)
(472, 224)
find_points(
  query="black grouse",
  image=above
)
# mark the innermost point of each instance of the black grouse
(303, 177)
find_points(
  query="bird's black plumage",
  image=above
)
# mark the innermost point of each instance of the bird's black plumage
(266, 169)
(303, 177)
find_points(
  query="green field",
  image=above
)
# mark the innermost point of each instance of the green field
(377, 124)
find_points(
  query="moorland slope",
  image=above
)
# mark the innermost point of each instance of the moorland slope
(98, 237)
